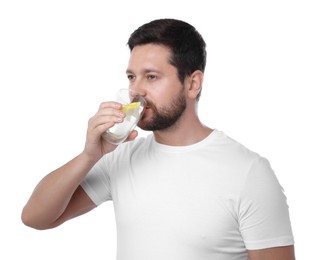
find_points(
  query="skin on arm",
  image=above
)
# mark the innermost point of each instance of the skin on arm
(52, 196)
(58, 196)
(274, 253)
(79, 204)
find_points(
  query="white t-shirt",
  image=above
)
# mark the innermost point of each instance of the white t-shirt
(211, 200)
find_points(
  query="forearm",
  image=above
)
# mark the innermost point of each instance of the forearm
(52, 195)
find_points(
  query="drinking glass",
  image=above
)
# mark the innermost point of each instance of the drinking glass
(133, 107)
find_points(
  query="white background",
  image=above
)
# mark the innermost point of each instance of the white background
(60, 59)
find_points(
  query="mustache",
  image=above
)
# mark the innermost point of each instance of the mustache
(149, 104)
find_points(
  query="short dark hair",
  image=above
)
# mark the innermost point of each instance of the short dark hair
(186, 44)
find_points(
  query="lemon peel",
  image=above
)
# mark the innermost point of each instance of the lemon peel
(130, 106)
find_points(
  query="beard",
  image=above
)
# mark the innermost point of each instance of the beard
(163, 117)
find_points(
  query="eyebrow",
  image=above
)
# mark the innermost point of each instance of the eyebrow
(128, 71)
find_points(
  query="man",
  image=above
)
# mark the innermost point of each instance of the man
(186, 191)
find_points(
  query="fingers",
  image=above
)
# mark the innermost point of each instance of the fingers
(110, 104)
(107, 115)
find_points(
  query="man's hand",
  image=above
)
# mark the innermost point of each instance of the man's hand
(108, 114)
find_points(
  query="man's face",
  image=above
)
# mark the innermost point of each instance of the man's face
(150, 73)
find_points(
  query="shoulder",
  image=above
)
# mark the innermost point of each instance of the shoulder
(234, 151)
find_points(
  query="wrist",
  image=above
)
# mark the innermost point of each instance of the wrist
(89, 158)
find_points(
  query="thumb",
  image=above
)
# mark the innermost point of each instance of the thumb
(133, 134)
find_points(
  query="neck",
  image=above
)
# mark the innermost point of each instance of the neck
(185, 131)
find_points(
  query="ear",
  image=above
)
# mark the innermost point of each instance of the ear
(194, 81)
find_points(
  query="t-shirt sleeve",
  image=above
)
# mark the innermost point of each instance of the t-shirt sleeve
(263, 211)
(97, 182)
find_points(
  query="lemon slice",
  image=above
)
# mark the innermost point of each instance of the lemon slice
(130, 106)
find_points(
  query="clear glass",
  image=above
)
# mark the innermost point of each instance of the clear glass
(133, 106)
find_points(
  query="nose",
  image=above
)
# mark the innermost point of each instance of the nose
(138, 88)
